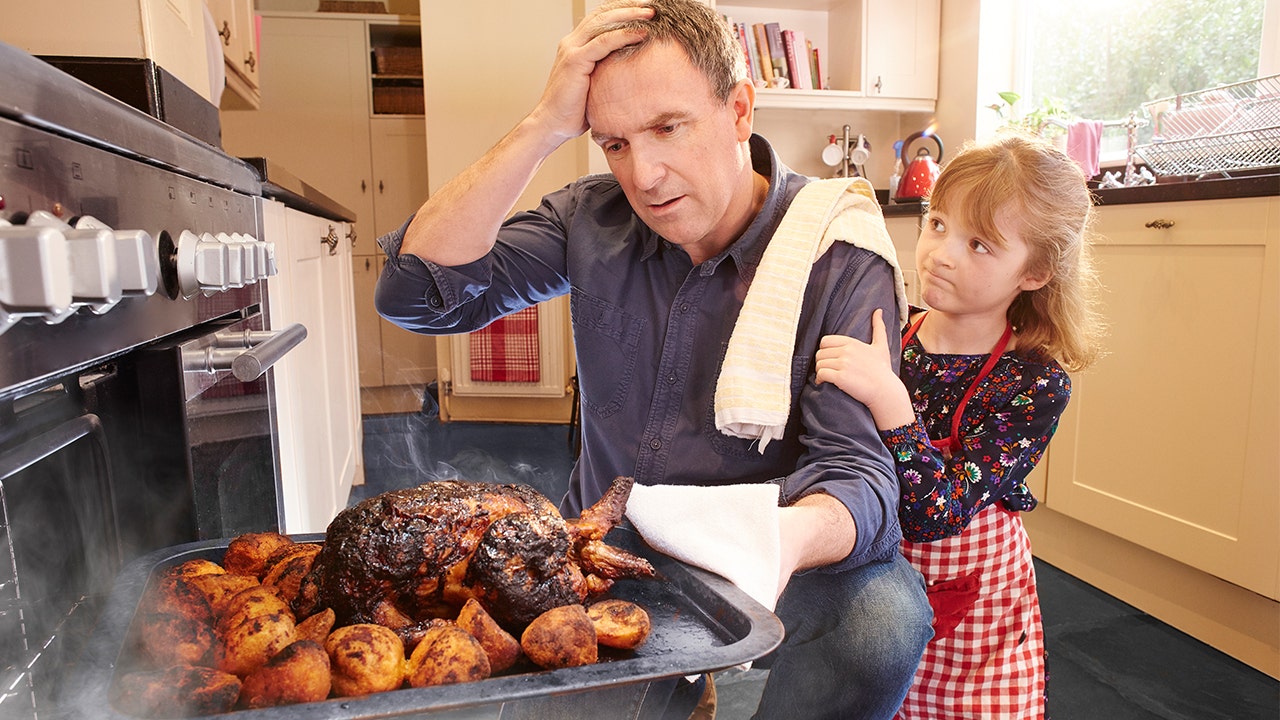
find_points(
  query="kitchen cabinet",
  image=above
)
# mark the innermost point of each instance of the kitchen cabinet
(320, 436)
(169, 32)
(1163, 471)
(880, 54)
(904, 231)
(329, 113)
(238, 35)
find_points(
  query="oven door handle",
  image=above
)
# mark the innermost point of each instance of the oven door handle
(248, 353)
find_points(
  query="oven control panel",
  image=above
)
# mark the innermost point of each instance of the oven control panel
(101, 252)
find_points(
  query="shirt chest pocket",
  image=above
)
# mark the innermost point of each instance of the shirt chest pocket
(607, 339)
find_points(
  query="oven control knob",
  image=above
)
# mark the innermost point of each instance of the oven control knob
(136, 258)
(267, 258)
(244, 245)
(237, 273)
(35, 274)
(202, 264)
(95, 279)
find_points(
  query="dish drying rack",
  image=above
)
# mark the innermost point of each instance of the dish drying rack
(1222, 129)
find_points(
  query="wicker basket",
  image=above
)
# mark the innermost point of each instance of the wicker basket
(375, 7)
(398, 100)
(397, 61)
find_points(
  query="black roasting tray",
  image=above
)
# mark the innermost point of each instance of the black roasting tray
(701, 623)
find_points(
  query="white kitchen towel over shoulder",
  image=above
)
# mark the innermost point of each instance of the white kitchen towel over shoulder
(753, 392)
(730, 530)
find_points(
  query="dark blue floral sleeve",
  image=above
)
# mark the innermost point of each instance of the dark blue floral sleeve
(1006, 427)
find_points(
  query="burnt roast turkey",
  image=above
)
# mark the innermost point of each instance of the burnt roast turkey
(403, 557)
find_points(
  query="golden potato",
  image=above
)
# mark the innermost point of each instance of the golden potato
(561, 637)
(178, 596)
(619, 623)
(247, 554)
(178, 640)
(287, 568)
(318, 626)
(180, 691)
(219, 589)
(447, 654)
(297, 674)
(247, 646)
(501, 647)
(364, 658)
(250, 602)
(192, 568)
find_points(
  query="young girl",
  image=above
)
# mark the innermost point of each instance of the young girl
(1005, 271)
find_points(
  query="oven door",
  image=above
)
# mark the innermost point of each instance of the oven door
(208, 444)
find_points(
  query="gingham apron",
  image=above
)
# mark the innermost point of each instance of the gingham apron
(991, 666)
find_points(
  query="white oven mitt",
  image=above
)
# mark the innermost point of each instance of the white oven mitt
(730, 530)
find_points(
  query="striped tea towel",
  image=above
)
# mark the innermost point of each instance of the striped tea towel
(753, 393)
(506, 350)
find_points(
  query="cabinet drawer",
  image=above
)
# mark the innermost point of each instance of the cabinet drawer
(1237, 221)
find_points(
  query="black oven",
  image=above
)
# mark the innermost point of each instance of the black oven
(136, 390)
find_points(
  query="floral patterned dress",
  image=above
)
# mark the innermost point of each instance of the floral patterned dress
(958, 513)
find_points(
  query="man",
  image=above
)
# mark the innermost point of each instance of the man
(657, 258)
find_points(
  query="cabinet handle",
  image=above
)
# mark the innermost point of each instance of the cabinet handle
(225, 33)
(251, 62)
(363, 187)
(379, 187)
(331, 240)
(351, 235)
(878, 85)
(1160, 224)
(366, 264)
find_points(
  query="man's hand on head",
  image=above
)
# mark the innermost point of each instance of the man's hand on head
(562, 108)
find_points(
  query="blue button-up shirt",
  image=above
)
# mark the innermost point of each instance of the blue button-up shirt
(650, 331)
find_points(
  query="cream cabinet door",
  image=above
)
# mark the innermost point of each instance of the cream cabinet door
(901, 48)
(317, 405)
(1170, 440)
(365, 269)
(399, 150)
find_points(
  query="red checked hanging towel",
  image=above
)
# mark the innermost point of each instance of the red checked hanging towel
(507, 349)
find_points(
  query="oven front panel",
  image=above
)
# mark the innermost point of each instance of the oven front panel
(41, 172)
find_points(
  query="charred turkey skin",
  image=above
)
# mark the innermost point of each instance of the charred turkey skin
(405, 556)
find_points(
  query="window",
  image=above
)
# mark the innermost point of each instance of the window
(1104, 58)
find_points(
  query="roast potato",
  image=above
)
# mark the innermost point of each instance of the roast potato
(192, 568)
(178, 596)
(285, 569)
(297, 674)
(446, 654)
(219, 589)
(619, 623)
(247, 554)
(501, 647)
(317, 627)
(364, 658)
(247, 646)
(180, 691)
(178, 640)
(250, 602)
(561, 637)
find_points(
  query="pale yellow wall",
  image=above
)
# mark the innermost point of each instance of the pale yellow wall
(976, 63)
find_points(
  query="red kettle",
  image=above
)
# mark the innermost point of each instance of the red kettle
(920, 175)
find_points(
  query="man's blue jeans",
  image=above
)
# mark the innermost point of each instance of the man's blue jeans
(853, 642)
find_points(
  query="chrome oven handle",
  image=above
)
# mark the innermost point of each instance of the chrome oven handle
(247, 353)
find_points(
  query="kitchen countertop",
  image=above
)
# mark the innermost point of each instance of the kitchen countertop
(280, 184)
(1175, 190)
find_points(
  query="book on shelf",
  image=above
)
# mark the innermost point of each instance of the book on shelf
(777, 53)
(797, 54)
(739, 30)
(762, 49)
(815, 76)
(819, 68)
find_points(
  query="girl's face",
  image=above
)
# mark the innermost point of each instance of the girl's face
(962, 272)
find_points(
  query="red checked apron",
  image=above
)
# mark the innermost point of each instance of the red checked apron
(987, 656)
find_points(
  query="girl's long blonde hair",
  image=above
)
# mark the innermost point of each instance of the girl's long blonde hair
(1046, 191)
